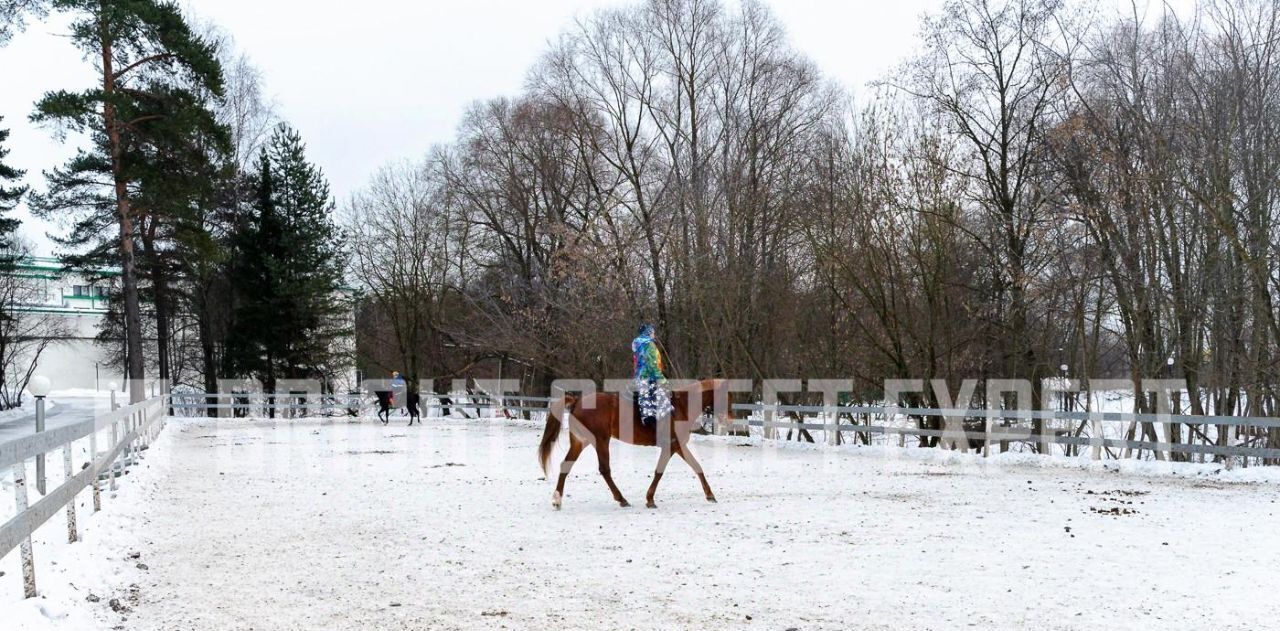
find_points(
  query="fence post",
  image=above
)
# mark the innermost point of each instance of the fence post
(115, 441)
(137, 443)
(770, 391)
(1095, 428)
(130, 427)
(126, 454)
(93, 457)
(28, 562)
(71, 505)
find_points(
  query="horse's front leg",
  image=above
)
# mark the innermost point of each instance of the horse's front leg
(687, 455)
(663, 459)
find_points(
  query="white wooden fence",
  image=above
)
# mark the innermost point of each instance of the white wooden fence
(958, 428)
(115, 440)
(320, 404)
(987, 426)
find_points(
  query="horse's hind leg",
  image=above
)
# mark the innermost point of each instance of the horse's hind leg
(697, 468)
(602, 454)
(657, 476)
(575, 448)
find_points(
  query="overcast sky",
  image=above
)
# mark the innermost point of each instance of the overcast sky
(379, 80)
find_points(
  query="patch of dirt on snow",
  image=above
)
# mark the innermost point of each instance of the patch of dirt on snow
(1115, 511)
(127, 601)
(895, 496)
(932, 474)
(1116, 502)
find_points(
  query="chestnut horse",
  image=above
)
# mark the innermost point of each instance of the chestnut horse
(596, 418)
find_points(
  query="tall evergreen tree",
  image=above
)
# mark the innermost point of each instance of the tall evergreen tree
(147, 58)
(13, 14)
(9, 197)
(289, 315)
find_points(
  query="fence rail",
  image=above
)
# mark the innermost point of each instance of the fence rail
(342, 404)
(959, 424)
(132, 428)
(1188, 419)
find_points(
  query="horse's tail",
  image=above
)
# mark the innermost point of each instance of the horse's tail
(552, 431)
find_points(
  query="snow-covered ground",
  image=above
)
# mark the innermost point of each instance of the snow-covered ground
(336, 524)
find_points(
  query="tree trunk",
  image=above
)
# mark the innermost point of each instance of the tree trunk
(128, 273)
(207, 357)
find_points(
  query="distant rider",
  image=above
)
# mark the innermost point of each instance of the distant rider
(398, 386)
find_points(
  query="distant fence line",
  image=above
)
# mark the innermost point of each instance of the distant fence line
(964, 429)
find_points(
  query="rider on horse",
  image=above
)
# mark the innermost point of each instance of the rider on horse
(398, 386)
(651, 392)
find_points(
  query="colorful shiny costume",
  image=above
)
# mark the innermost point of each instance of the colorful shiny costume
(651, 392)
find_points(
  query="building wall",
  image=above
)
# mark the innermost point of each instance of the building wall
(79, 304)
(78, 362)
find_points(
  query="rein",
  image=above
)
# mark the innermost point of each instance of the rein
(675, 367)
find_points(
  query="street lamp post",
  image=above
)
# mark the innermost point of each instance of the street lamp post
(1065, 406)
(39, 387)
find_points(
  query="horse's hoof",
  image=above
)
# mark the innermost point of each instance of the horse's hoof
(555, 501)
(711, 499)
(650, 505)
(624, 504)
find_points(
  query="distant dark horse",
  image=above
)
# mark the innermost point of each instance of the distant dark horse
(595, 419)
(411, 402)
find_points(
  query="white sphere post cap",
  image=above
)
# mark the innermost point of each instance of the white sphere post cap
(39, 386)
(1063, 367)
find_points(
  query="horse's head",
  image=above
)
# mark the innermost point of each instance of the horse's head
(713, 398)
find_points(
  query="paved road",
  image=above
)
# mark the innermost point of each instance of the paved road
(61, 411)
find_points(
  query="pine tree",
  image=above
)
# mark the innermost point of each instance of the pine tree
(13, 14)
(151, 67)
(8, 200)
(289, 313)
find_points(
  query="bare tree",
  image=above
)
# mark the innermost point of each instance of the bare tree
(405, 267)
(27, 328)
